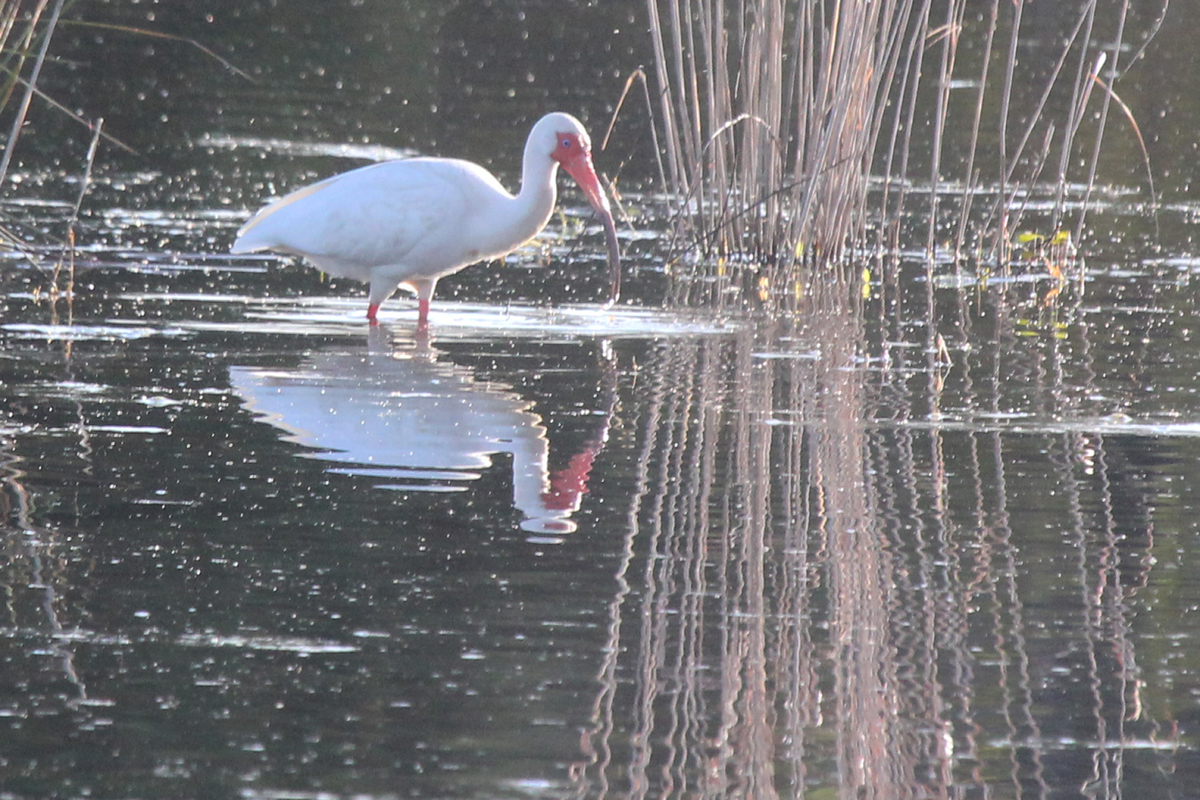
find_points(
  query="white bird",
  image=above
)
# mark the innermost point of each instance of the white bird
(411, 221)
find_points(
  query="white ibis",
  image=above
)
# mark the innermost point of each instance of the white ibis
(412, 221)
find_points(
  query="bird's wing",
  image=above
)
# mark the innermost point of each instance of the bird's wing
(280, 204)
(371, 216)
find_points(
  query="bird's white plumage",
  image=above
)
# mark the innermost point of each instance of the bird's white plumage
(415, 220)
(418, 217)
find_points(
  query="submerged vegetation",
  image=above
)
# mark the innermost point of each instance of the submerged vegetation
(803, 133)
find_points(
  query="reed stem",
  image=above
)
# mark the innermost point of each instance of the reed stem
(779, 120)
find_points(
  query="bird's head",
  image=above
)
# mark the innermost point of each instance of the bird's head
(568, 144)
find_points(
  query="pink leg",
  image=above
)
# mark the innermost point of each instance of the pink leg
(373, 313)
(423, 313)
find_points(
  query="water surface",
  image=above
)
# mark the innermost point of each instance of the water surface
(937, 540)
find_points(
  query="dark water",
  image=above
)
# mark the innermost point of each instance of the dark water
(252, 548)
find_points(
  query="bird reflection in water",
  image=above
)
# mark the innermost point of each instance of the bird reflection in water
(401, 411)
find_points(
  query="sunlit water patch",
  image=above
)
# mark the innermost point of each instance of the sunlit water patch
(115, 330)
(259, 643)
(288, 147)
(1113, 425)
(167, 221)
(449, 319)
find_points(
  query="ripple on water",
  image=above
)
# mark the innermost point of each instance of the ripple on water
(448, 319)
(284, 644)
(112, 331)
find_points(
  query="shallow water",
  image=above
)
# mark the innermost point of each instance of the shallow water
(252, 547)
(255, 547)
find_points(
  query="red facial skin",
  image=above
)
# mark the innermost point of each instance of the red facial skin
(576, 158)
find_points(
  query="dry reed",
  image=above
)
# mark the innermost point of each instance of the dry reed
(779, 121)
(13, 61)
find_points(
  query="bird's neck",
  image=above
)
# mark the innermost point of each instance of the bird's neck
(516, 220)
(535, 202)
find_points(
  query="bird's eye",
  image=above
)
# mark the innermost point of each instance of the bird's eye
(566, 143)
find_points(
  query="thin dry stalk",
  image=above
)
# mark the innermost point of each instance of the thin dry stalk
(1115, 54)
(1001, 232)
(69, 248)
(1137, 132)
(23, 109)
(970, 177)
(1013, 186)
(13, 55)
(1081, 93)
(639, 75)
(152, 34)
(951, 33)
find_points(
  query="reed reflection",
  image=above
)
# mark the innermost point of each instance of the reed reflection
(398, 409)
(35, 575)
(821, 589)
